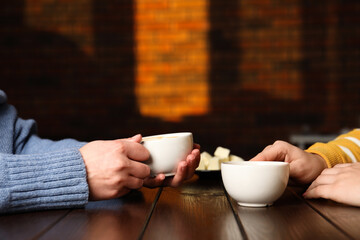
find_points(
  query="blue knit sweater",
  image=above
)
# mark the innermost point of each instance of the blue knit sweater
(37, 173)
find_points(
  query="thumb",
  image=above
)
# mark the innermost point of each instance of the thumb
(136, 138)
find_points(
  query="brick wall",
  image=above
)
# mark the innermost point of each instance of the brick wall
(240, 74)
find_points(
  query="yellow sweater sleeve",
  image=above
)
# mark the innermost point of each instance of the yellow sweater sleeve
(344, 149)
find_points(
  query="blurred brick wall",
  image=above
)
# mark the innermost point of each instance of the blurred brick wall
(172, 58)
(240, 74)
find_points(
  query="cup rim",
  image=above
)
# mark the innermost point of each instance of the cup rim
(256, 163)
(166, 135)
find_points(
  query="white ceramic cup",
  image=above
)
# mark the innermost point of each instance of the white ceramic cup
(167, 150)
(255, 183)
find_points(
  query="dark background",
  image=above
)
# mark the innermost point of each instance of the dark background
(49, 77)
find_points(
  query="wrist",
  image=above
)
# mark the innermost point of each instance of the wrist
(319, 164)
(320, 160)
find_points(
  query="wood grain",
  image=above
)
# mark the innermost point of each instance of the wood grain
(122, 218)
(288, 218)
(29, 225)
(342, 216)
(198, 210)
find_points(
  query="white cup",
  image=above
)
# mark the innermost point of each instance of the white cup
(255, 183)
(167, 150)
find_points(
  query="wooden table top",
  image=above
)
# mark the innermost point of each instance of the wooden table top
(199, 209)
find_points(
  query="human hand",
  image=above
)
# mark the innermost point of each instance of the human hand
(114, 167)
(340, 183)
(185, 170)
(304, 166)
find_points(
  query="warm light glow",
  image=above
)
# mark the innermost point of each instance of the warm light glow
(270, 56)
(72, 19)
(172, 58)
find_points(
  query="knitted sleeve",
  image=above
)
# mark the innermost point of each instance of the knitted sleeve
(37, 173)
(343, 149)
(42, 181)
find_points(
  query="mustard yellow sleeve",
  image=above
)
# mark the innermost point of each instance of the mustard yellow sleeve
(344, 149)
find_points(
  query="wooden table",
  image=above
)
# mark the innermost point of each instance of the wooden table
(200, 209)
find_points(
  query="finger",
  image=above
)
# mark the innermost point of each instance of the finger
(332, 171)
(322, 191)
(179, 176)
(323, 179)
(134, 182)
(192, 161)
(260, 156)
(154, 181)
(136, 138)
(138, 169)
(267, 147)
(270, 153)
(133, 150)
(342, 165)
(196, 146)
